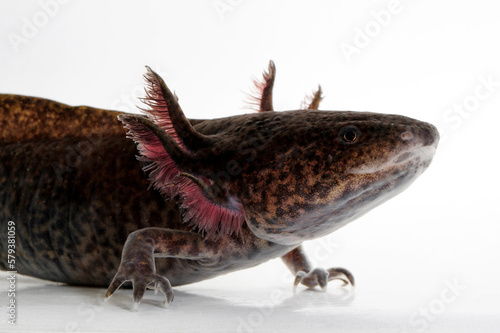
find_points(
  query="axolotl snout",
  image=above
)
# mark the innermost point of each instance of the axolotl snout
(226, 193)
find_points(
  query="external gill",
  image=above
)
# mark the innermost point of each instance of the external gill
(168, 143)
(165, 111)
(262, 98)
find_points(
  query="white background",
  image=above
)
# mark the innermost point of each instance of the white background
(426, 59)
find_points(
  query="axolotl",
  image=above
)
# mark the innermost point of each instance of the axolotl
(102, 198)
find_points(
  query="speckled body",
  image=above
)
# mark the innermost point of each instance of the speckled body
(227, 193)
(73, 218)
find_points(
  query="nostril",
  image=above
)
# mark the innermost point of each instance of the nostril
(407, 135)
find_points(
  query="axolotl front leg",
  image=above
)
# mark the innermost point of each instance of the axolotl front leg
(138, 259)
(298, 264)
(143, 246)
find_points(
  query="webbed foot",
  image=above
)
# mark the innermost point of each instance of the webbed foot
(321, 277)
(142, 277)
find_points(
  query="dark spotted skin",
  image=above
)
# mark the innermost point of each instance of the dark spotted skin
(72, 218)
(24, 119)
(70, 180)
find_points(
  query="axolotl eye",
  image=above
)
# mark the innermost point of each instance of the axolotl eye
(349, 134)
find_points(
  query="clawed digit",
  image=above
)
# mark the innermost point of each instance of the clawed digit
(118, 280)
(320, 277)
(341, 274)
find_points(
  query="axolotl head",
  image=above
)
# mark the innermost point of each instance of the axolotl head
(290, 176)
(318, 170)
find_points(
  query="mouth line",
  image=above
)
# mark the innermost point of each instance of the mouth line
(415, 157)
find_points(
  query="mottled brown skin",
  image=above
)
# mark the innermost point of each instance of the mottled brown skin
(75, 201)
(24, 119)
(70, 180)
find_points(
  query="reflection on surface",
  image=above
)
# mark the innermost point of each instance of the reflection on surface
(237, 304)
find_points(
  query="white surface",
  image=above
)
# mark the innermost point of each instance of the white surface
(430, 57)
(246, 302)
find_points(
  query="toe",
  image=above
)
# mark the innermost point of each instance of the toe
(114, 286)
(341, 274)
